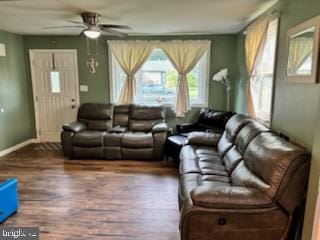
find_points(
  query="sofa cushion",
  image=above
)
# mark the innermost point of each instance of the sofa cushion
(204, 138)
(247, 133)
(121, 115)
(243, 176)
(137, 140)
(189, 182)
(147, 112)
(232, 158)
(233, 126)
(137, 153)
(143, 118)
(88, 139)
(111, 153)
(112, 139)
(195, 159)
(97, 116)
(270, 158)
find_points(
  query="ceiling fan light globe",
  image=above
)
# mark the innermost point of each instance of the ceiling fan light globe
(92, 34)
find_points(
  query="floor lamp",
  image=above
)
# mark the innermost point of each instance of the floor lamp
(222, 77)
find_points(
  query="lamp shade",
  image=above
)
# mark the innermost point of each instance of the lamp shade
(221, 76)
(92, 32)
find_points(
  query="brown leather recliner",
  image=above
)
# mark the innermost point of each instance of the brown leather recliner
(105, 131)
(244, 184)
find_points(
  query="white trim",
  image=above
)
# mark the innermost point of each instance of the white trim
(34, 85)
(17, 147)
(316, 221)
(110, 75)
(203, 101)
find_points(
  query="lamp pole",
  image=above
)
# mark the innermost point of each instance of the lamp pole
(228, 90)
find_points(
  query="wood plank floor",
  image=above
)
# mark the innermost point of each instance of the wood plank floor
(73, 199)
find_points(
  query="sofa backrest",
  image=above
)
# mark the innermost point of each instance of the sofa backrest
(213, 119)
(235, 154)
(247, 134)
(276, 167)
(143, 118)
(97, 116)
(233, 126)
(121, 115)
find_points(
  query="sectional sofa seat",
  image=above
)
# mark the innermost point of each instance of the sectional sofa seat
(243, 184)
(105, 131)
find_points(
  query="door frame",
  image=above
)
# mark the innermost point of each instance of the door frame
(32, 52)
(316, 220)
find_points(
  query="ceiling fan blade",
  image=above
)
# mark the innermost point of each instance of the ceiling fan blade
(115, 26)
(82, 33)
(114, 32)
(76, 22)
(64, 27)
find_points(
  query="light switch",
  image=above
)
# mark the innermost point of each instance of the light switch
(1, 110)
(2, 50)
(84, 88)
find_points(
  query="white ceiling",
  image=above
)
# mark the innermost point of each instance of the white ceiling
(148, 17)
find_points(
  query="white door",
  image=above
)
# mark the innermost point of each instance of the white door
(55, 90)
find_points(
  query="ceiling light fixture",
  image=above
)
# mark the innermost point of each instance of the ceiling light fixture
(92, 32)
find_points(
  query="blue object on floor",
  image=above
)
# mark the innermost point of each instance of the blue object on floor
(8, 198)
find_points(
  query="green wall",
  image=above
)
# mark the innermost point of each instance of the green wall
(16, 124)
(295, 105)
(223, 55)
(314, 181)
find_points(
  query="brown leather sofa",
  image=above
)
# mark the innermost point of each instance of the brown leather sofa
(210, 120)
(105, 131)
(244, 184)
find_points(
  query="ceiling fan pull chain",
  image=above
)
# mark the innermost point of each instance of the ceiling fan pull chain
(88, 47)
(53, 63)
(96, 47)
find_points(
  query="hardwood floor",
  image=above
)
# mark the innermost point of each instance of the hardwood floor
(72, 199)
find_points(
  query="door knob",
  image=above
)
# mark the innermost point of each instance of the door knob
(73, 106)
(72, 100)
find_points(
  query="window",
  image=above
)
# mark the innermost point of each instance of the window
(262, 87)
(157, 80)
(55, 82)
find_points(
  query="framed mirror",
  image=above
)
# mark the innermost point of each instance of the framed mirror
(303, 52)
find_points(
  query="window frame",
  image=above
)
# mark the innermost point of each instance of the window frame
(202, 101)
(273, 75)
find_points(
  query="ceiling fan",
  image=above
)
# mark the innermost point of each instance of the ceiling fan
(92, 28)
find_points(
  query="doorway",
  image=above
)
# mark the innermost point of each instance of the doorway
(55, 84)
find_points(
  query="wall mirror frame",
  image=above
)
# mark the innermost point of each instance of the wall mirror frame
(302, 62)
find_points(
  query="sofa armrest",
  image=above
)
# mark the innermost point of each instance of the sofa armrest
(160, 127)
(203, 138)
(117, 129)
(230, 198)
(74, 127)
(187, 127)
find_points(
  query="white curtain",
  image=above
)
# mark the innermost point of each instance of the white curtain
(254, 45)
(184, 55)
(130, 55)
(299, 50)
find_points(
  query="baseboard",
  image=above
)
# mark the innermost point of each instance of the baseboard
(18, 146)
